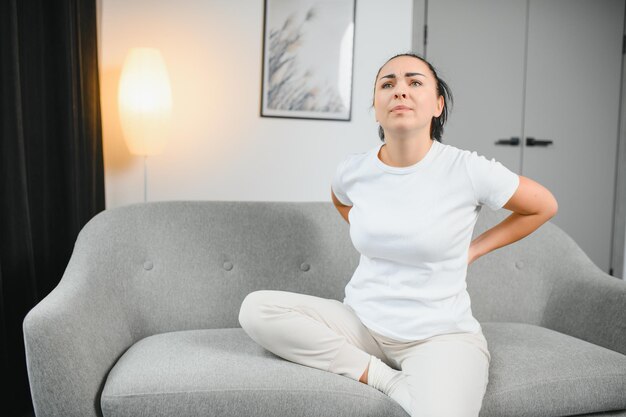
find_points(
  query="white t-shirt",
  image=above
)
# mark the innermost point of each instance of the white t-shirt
(413, 227)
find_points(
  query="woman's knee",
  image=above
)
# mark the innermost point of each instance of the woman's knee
(250, 309)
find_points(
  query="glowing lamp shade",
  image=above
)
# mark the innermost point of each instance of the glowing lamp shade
(145, 101)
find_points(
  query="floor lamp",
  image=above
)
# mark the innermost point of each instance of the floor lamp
(145, 105)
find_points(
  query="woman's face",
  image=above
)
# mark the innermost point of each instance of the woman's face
(405, 96)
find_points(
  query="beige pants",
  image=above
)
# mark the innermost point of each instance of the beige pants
(446, 374)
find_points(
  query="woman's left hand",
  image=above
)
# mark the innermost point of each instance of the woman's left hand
(532, 205)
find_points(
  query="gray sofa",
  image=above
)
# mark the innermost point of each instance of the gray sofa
(145, 319)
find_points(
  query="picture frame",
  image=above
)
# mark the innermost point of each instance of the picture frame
(308, 56)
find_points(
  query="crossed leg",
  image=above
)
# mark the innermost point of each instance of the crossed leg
(317, 332)
(447, 375)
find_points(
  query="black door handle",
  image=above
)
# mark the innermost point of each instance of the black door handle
(514, 141)
(535, 142)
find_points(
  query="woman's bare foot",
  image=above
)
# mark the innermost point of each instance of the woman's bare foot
(363, 378)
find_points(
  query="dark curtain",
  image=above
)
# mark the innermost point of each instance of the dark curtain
(51, 165)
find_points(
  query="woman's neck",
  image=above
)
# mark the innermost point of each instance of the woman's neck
(404, 152)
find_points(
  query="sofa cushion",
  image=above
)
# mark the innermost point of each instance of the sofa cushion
(536, 371)
(222, 372)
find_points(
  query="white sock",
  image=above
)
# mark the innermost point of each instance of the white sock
(389, 381)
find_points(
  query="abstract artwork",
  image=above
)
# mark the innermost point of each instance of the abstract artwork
(308, 50)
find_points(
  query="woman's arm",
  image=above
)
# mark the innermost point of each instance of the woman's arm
(343, 209)
(532, 205)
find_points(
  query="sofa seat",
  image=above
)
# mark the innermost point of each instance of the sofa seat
(222, 372)
(554, 374)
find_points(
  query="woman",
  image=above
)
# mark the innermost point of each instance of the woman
(405, 326)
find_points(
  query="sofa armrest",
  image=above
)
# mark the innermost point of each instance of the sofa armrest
(589, 304)
(74, 336)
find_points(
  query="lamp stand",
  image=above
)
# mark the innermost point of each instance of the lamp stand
(145, 178)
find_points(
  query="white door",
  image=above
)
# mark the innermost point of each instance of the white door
(548, 70)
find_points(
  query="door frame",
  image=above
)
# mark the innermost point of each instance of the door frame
(619, 210)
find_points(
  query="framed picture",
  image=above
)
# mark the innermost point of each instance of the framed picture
(308, 49)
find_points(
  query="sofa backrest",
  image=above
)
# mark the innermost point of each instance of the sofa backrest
(515, 283)
(189, 264)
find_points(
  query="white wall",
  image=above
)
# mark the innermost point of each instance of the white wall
(221, 149)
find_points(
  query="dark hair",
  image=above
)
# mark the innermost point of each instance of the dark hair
(436, 125)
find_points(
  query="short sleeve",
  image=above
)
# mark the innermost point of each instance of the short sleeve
(338, 185)
(494, 184)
